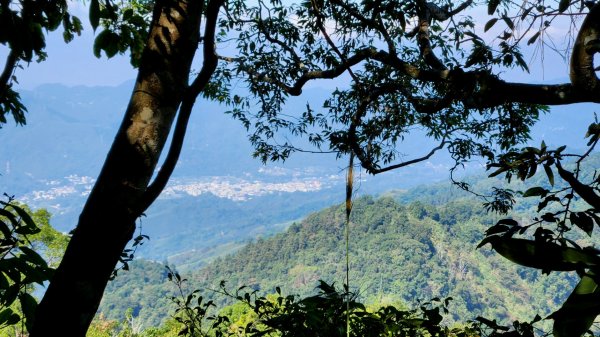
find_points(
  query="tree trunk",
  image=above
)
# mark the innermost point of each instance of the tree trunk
(107, 222)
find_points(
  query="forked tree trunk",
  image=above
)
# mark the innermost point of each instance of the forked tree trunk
(107, 222)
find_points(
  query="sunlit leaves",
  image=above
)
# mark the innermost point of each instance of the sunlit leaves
(550, 241)
(20, 265)
(124, 28)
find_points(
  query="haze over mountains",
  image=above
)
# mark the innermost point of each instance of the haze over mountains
(218, 194)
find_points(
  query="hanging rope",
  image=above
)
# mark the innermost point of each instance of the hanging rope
(349, 188)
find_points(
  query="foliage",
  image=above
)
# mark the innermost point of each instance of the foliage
(402, 66)
(192, 312)
(22, 29)
(144, 289)
(402, 253)
(331, 312)
(48, 242)
(21, 265)
(125, 26)
(550, 242)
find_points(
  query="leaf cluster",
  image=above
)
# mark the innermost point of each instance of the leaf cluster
(550, 241)
(338, 312)
(20, 266)
(23, 25)
(393, 89)
(124, 27)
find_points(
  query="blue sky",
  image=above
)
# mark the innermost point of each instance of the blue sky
(74, 63)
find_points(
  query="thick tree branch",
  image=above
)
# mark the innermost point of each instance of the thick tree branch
(486, 90)
(423, 39)
(582, 72)
(585, 192)
(208, 67)
(493, 91)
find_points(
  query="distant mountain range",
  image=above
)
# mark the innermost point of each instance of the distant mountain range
(218, 193)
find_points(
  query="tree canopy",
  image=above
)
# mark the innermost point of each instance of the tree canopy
(409, 65)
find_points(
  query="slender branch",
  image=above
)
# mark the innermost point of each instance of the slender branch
(375, 23)
(412, 161)
(199, 83)
(330, 41)
(280, 43)
(9, 68)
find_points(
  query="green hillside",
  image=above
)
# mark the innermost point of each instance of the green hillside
(399, 252)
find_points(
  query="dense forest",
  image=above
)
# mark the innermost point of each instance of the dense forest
(400, 253)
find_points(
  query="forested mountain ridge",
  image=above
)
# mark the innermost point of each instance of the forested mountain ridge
(399, 252)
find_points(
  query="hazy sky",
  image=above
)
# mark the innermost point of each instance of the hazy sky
(74, 63)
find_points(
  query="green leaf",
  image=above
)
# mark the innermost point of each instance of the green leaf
(33, 256)
(10, 295)
(496, 229)
(535, 192)
(509, 222)
(563, 5)
(30, 226)
(549, 173)
(579, 311)
(593, 129)
(3, 282)
(497, 172)
(526, 12)
(28, 306)
(543, 255)
(509, 22)
(3, 226)
(583, 221)
(8, 317)
(533, 38)
(94, 14)
(490, 24)
(492, 5)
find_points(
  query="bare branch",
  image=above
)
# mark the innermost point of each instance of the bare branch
(413, 161)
